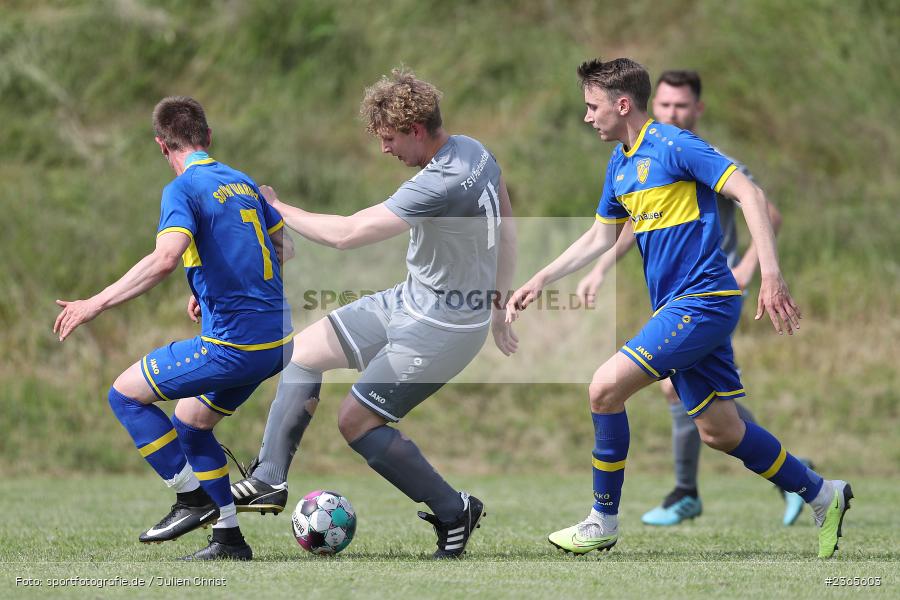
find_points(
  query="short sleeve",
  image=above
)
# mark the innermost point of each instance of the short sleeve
(609, 210)
(176, 213)
(273, 219)
(696, 160)
(419, 199)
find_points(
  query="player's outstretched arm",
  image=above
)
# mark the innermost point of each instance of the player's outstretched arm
(590, 283)
(149, 271)
(504, 336)
(594, 242)
(746, 267)
(774, 297)
(367, 226)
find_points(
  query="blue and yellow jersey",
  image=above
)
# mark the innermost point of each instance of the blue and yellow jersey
(231, 264)
(667, 185)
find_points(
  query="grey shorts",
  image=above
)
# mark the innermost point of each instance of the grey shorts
(403, 361)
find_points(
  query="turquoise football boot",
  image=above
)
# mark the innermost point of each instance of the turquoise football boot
(793, 506)
(675, 508)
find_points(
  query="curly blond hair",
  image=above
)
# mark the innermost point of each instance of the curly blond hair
(398, 101)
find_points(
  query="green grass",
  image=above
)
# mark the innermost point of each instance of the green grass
(796, 90)
(87, 527)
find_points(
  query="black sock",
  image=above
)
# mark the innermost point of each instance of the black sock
(228, 535)
(679, 493)
(197, 497)
(398, 459)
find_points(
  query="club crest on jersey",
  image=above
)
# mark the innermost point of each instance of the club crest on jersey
(643, 169)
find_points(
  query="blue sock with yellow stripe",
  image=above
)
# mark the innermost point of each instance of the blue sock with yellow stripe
(611, 439)
(207, 459)
(763, 454)
(152, 432)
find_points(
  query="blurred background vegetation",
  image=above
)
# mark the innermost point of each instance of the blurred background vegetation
(803, 92)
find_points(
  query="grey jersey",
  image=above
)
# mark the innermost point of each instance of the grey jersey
(453, 205)
(728, 219)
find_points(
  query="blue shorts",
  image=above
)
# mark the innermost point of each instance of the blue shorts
(689, 340)
(219, 376)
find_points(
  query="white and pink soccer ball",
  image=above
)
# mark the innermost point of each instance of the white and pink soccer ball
(324, 522)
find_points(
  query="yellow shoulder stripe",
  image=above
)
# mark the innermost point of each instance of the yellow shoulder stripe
(186, 232)
(608, 221)
(721, 182)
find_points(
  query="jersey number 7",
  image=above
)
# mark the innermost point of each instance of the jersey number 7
(250, 215)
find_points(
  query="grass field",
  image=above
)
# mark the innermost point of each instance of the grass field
(87, 527)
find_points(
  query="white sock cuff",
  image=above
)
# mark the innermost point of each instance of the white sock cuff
(227, 517)
(227, 511)
(184, 481)
(607, 522)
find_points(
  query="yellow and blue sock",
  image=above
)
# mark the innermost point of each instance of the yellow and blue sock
(207, 459)
(763, 454)
(611, 439)
(153, 434)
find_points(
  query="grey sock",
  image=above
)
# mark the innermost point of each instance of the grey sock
(290, 413)
(396, 458)
(685, 447)
(744, 412)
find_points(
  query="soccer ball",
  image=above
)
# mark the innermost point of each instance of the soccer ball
(324, 522)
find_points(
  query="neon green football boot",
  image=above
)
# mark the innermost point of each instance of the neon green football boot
(833, 518)
(583, 537)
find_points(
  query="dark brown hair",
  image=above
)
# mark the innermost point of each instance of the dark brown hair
(617, 76)
(681, 78)
(180, 122)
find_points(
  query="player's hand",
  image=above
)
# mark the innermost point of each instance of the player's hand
(193, 309)
(743, 276)
(587, 288)
(504, 336)
(74, 313)
(270, 195)
(523, 296)
(776, 301)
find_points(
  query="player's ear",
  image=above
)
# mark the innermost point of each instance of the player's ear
(162, 146)
(700, 107)
(624, 105)
(208, 137)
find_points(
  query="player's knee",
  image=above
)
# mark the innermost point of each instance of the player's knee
(605, 398)
(719, 437)
(349, 426)
(119, 402)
